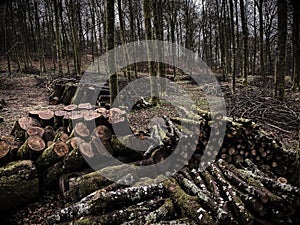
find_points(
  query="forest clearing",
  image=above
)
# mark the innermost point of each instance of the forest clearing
(200, 127)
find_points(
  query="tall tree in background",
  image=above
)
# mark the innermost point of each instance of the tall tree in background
(233, 74)
(123, 40)
(149, 36)
(281, 45)
(259, 4)
(58, 36)
(110, 44)
(245, 41)
(296, 43)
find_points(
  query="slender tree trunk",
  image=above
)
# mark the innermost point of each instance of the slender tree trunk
(110, 43)
(296, 44)
(281, 43)
(148, 31)
(233, 45)
(123, 41)
(261, 38)
(58, 37)
(132, 33)
(245, 42)
(255, 43)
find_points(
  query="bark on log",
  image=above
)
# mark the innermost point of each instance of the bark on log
(21, 125)
(5, 155)
(18, 184)
(188, 205)
(123, 215)
(32, 148)
(34, 130)
(72, 162)
(99, 201)
(51, 155)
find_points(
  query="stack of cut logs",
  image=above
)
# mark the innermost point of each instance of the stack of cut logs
(64, 91)
(253, 180)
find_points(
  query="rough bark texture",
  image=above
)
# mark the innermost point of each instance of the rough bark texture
(18, 184)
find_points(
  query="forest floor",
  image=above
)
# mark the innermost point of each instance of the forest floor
(23, 93)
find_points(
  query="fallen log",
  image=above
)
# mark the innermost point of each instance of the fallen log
(51, 155)
(18, 184)
(121, 216)
(5, 155)
(32, 148)
(188, 205)
(21, 125)
(99, 201)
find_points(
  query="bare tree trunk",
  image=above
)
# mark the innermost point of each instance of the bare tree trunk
(148, 30)
(296, 44)
(110, 42)
(233, 38)
(245, 42)
(123, 41)
(261, 38)
(58, 37)
(281, 43)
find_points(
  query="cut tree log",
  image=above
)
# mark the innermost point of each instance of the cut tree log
(51, 155)
(49, 134)
(18, 184)
(32, 148)
(21, 125)
(46, 118)
(5, 155)
(188, 205)
(34, 130)
(99, 201)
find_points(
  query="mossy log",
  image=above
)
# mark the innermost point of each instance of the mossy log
(8, 148)
(32, 148)
(46, 118)
(79, 187)
(34, 130)
(188, 205)
(49, 134)
(51, 155)
(131, 213)
(72, 162)
(239, 208)
(18, 184)
(21, 125)
(98, 201)
(5, 155)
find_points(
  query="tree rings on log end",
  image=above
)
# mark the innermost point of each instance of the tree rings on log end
(4, 149)
(32, 131)
(61, 148)
(36, 143)
(86, 149)
(103, 132)
(82, 130)
(70, 108)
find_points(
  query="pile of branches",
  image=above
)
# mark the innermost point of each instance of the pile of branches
(254, 180)
(260, 106)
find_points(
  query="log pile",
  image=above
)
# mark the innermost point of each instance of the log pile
(252, 181)
(64, 92)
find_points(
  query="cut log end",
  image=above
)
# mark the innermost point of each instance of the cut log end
(36, 143)
(4, 149)
(32, 131)
(103, 132)
(81, 129)
(61, 149)
(86, 149)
